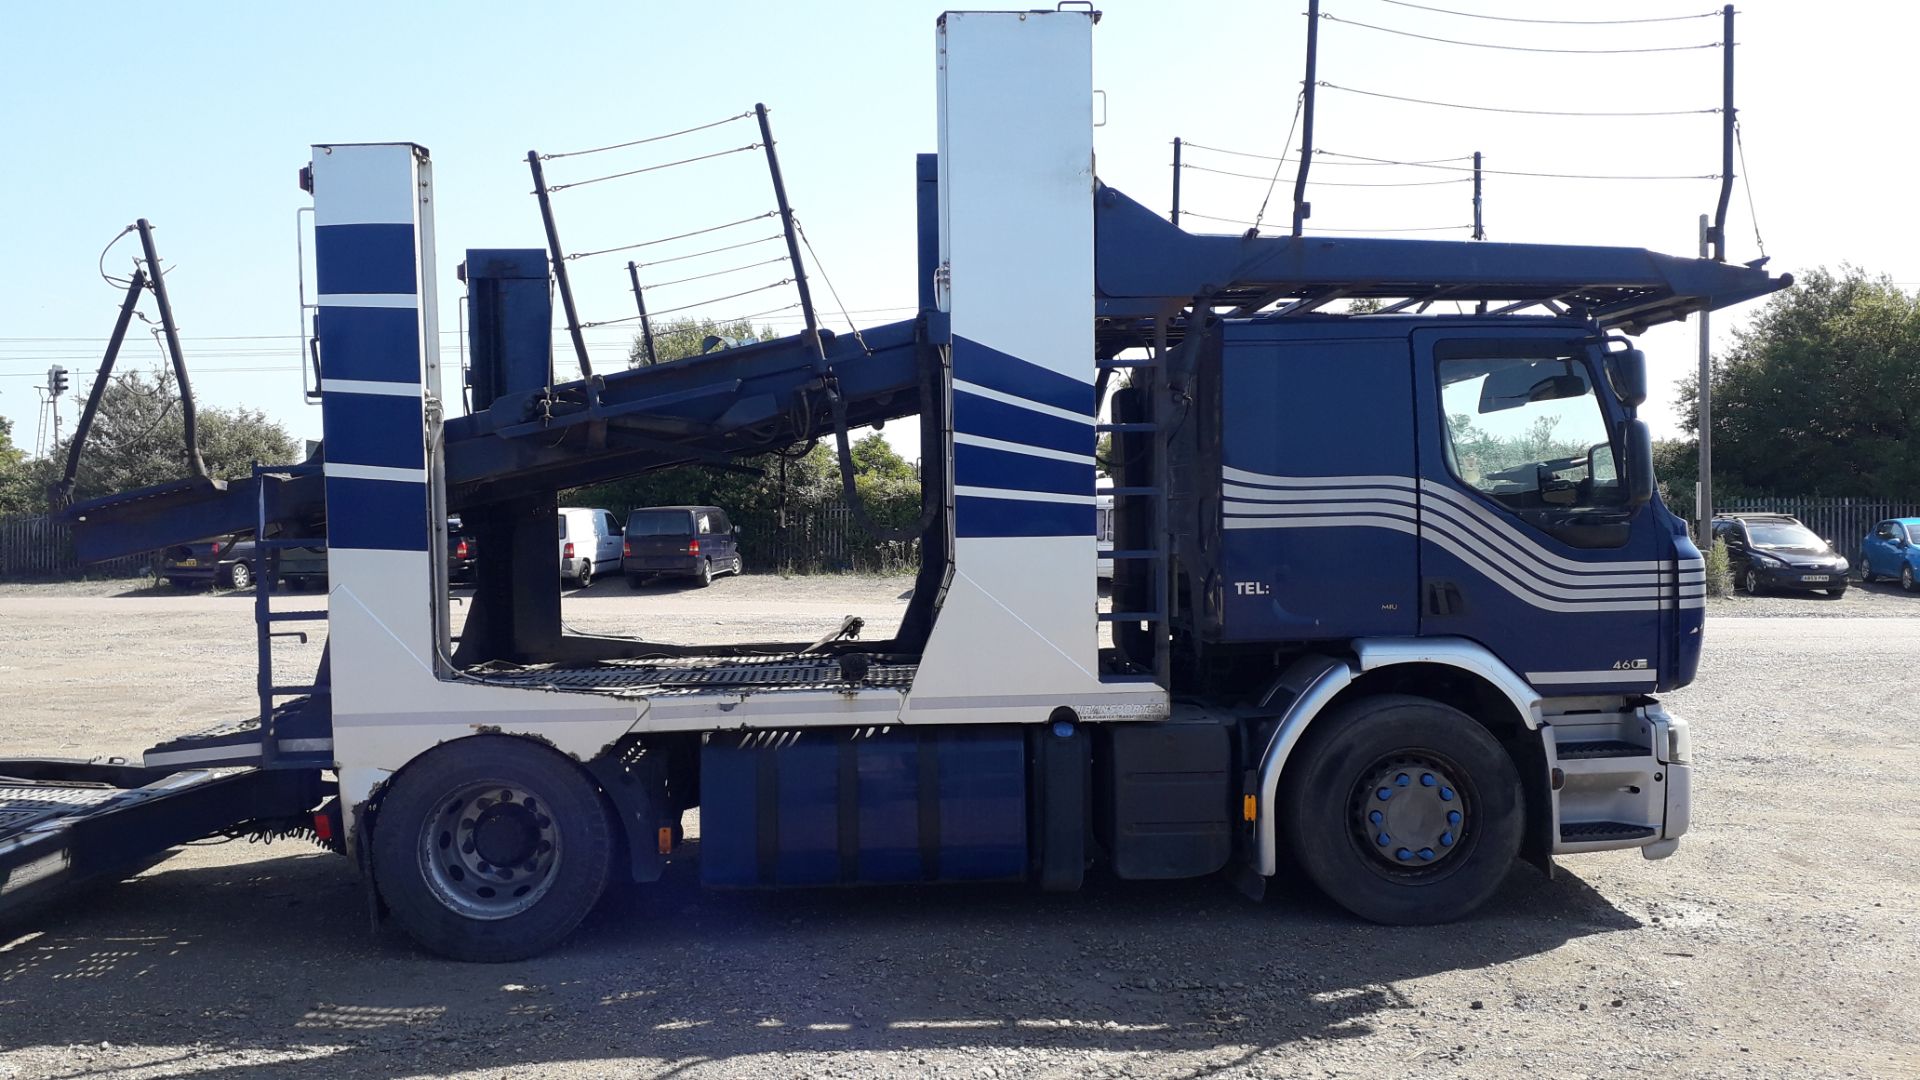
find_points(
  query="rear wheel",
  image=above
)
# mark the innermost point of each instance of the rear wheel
(237, 576)
(1866, 571)
(584, 579)
(1402, 810)
(1906, 578)
(491, 849)
(706, 572)
(634, 581)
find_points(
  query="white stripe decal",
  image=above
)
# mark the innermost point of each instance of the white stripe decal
(1001, 396)
(1516, 536)
(1506, 568)
(1022, 496)
(370, 386)
(1253, 494)
(347, 471)
(374, 300)
(1543, 678)
(1266, 480)
(963, 439)
(1347, 521)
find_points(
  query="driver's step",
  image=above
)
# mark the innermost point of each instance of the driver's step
(1599, 832)
(1601, 748)
(303, 735)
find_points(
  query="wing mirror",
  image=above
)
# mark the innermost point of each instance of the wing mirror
(1638, 442)
(1627, 371)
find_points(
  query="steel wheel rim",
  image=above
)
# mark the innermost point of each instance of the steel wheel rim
(1412, 814)
(490, 850)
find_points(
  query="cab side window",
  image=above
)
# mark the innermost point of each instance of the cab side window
(721, 525)
(1529, 432)
(1885, 531)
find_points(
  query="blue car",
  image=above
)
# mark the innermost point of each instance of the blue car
(1892, 550)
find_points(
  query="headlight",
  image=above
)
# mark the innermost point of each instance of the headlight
(1765, 559)
(1842, 566)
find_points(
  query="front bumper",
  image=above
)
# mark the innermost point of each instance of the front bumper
(1794, 577)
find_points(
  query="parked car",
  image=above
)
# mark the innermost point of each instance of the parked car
(1775, 551)
(227, 562)
(589, 540)
(463, 550)
(679, 541)
(1892, 550)
(304, 568)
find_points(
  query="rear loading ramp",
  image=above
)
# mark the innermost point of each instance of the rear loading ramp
(64, 824)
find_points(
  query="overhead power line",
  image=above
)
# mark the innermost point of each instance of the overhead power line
(1518, 172)
(1522, 112)
(552, 188)
(1295, 160)
(1325, 228)
(670, 239)
(1337, 183)
(649, 139)
(1552, 22)
(1520, 48)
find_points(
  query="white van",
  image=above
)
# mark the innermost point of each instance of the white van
(589, 541)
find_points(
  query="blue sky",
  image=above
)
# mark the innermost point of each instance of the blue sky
(198, 117)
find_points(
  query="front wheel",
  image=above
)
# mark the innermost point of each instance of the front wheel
(491, 848)
(1750, 582)
(1402, 810)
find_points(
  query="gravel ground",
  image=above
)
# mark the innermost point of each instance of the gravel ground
(1779, 941)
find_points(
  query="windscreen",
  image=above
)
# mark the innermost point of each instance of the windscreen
(1783, 534)
(659, 523)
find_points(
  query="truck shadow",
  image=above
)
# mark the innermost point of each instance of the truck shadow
(272, 962)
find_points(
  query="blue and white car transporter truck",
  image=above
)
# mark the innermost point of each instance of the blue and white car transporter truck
(1367, 626)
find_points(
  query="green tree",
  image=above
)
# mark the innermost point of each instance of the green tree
(677, 339)
(138, 440)
(1820, 393)
(16, 481)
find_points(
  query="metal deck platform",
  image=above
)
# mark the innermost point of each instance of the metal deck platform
(64, 823)
(650, 678)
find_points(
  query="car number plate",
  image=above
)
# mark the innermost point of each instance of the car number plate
(189, 562)
(1813, 577)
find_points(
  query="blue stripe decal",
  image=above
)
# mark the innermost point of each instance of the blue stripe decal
(380, 515)
(978, 516)
(377, 344)
(975, 415)
(995, 370)
(374, 429)
(364, 258)
(979, 466)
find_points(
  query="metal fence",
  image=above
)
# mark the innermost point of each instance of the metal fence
(817, 540)
(1844, 521)
(37, 546)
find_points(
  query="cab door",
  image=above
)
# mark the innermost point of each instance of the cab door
(1527, 543)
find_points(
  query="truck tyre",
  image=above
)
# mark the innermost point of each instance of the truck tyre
(1402, 810)
(492, 848)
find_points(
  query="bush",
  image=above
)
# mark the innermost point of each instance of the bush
(1719, 570)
